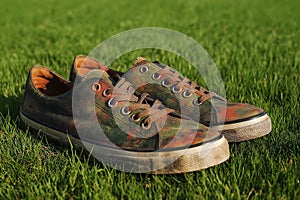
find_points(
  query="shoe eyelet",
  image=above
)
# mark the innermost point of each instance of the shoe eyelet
(155, 76)
(125, 111)
(176, 90)
(165, 83)
(96, 87)
(110, 103)
(197, 102)
(146, 127)
(186, 94)
(105, 94)
(135, 118)
(144, 69)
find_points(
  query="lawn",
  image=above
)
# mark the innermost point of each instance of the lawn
(255, 45)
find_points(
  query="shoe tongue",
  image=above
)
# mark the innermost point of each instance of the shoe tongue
(140, 61)
(84, 64)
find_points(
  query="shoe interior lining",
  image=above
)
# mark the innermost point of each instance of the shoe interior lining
(49, 83)
(84, 64)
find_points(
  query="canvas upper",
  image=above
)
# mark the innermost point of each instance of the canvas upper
(177, 92)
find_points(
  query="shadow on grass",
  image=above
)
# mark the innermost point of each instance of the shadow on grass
(10, 105)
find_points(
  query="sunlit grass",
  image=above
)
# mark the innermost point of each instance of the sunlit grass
(255, 46)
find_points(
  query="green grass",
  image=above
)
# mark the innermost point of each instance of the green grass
(255, 44)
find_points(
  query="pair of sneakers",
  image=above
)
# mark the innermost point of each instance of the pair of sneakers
(149, 119)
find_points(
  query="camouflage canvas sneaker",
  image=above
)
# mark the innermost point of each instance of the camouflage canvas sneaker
(123, 130)
(237, 121)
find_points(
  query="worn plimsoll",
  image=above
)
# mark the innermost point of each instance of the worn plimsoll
(137, 132)
(237, 121)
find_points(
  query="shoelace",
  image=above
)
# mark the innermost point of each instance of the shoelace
(146, 113)
(179, 83)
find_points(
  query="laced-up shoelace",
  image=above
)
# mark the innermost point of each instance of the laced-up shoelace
(179, 83)
(146, 113)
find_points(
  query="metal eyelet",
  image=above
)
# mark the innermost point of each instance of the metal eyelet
(105, 94)
(163, 83)
(109, 103)
(133, 117)
(125, 111)
(96, 87)
(197, 102)
(146, 127)
(155, 76)
(176, 90)
(144, 69)
(186, 94)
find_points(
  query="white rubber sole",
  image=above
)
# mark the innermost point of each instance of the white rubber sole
(158, 162)
(247, 130)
